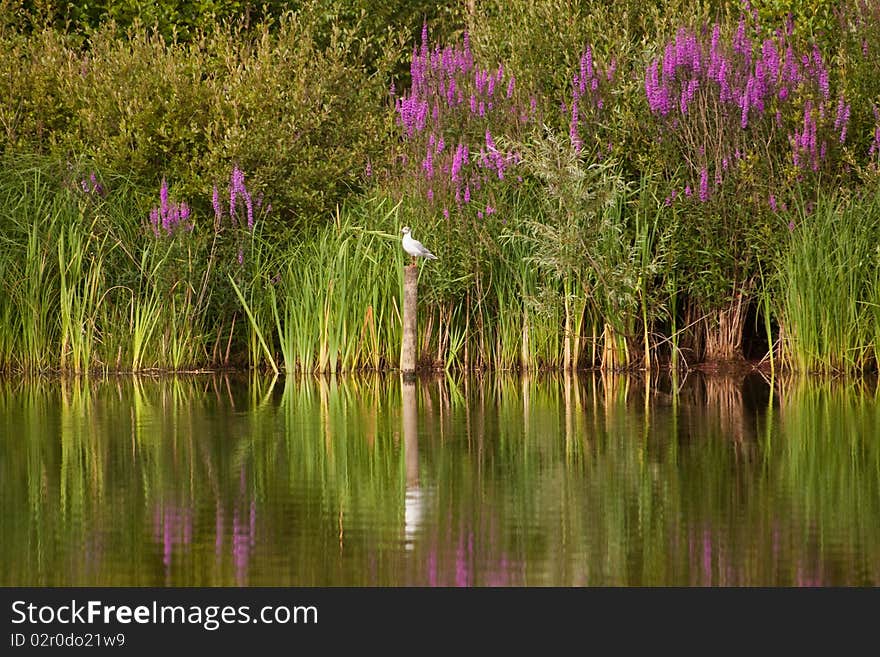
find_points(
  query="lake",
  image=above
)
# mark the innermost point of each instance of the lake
(451, 481)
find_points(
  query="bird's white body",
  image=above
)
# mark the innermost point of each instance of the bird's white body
(413, 247)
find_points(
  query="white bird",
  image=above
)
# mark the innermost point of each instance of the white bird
(413, 247)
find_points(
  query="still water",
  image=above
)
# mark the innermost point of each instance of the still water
(487, 481)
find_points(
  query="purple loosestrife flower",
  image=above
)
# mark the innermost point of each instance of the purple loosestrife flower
(744, 103)
(772, 201)
(669, 63)
(840, 123)
(184, 216)
(573, 128)
(741, 43)
(235, 185)
(480, 81)
(490, 143)
(163, 198)
(215, 202)
(96, 187)
(168, 217)
(770, 59)
(790, 71)
(821, 72)
(250, 209)
(587, 63)
(875, 144)
(714, 56)
(704, 185)
(428, 163)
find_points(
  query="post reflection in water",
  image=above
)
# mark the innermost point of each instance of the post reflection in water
(414, 497)
(471, 481)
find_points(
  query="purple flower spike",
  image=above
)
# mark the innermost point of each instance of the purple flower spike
(163, 198)
(215, 202)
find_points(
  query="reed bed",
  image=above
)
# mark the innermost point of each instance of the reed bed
(616, 203)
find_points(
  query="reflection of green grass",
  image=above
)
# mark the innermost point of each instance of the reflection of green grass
(535, 480)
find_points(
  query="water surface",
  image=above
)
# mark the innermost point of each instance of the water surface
(491, 481)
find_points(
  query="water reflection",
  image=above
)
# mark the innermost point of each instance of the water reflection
(477, 481)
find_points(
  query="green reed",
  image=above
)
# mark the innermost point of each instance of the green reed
(86, 284)
(828, 279)
(335, 298)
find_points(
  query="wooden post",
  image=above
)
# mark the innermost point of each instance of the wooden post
(408, 356)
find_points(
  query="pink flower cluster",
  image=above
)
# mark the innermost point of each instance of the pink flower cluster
(169, 217)
(238, 196)
(714, 96)
(588, 98)
(450, 118)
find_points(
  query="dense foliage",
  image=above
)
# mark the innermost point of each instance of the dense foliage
(606, 184)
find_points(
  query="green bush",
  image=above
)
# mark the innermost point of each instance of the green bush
(302, 117)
